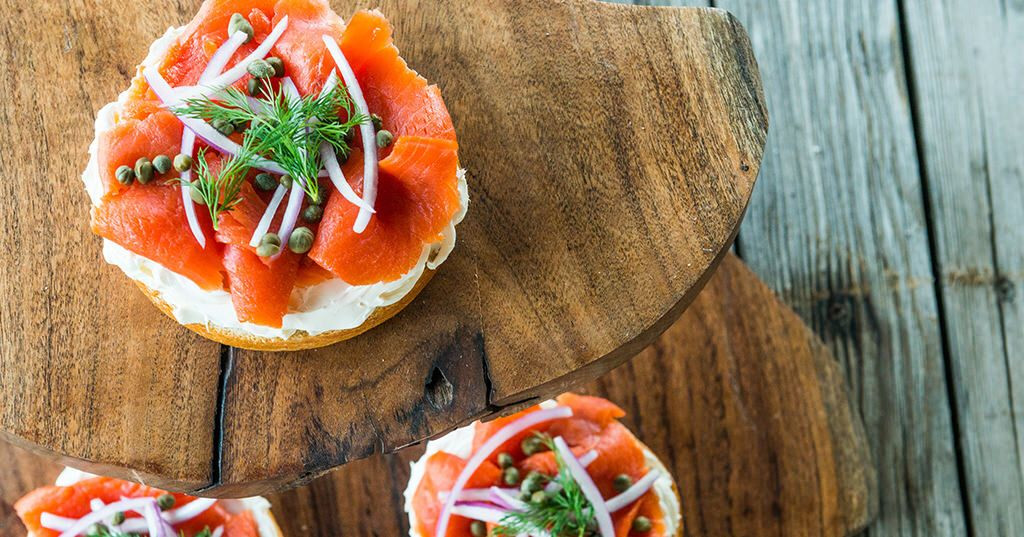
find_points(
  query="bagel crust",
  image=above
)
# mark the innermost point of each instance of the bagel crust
(301, 339)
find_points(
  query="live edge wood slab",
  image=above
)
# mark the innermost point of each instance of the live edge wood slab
(746, 407)
(611, 154)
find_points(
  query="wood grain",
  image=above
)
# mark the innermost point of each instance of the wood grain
(606, 185)
(838, 227)
(968, 88)
(748, 410)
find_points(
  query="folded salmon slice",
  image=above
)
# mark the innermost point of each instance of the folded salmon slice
(73, 502)
(150, 221)
(416, 199)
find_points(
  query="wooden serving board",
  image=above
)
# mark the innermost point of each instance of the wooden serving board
(745, 406)
(611, 154)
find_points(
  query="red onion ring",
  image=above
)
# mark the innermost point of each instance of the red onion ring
(634, 492)
(587, 486)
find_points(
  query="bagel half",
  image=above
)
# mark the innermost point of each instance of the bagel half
(459, 440)
(300, 339)
(260, 507)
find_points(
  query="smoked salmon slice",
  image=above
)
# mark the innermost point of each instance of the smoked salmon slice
(150, 221)
(74, 502)
(417, 197)
(260, 291)
(127, 141)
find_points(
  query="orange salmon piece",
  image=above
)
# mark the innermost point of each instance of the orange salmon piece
(416, 198)
(442, 469)
(150, 221)
(260, 292)
(128, 140)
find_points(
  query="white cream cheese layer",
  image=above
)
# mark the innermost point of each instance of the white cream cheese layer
(323, 307)
(460, 443)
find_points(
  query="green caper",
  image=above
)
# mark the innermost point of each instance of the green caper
(165, 501)
(538, 497)
(286, 181)
(478, 529)
(238, 23)
(510, 476)
(182, 162)
(265, 182)
(260, 69)
(313, 213)
(143, 170)
(270, 245)
(277, 64)
(301, 240)
(641, 524)
(162, 163)
(505, 460)
(195, 194)
(533, 482)
(532, 444)
(384, 138)
(118, 518)
(255, 86)
(240, 126)
(223, 126)
(271, 238)
(125, 175)
(378, 123)
(621, 483)
(96, 530)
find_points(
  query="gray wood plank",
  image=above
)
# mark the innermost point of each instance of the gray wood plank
(967, 58)
(837, 226)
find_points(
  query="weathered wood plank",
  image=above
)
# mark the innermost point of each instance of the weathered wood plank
(837, 226)
(967, 58)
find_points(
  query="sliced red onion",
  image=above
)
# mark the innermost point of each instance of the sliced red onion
(469, 495)
(585, 460)
(218, 532)
(634, 492)
(366, 129)
(587, 486)
(147, 507)
(506, 500)
(219, 60)
(234, 74)
(493, 443)
(268, 216)
(294, 207)
(174, 517)
(53, 522)
(481, 512)
(330, 158)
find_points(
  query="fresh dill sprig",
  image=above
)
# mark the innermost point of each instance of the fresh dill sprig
(103, 531)
(219, 192)
(566, 512)
(285, 130)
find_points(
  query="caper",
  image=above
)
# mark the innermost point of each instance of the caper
(265, 182)
(532, 483)
(95, 530)
(532, 444)
(118, 518)
(621, 483)
(240, 126)
(271, 238)
(125, 175)
(238, 23)
(313, 213)
(538, 497)
(378, 123)
(162, 163)
(223, 126)
(267, 250)
(505, 460)
(510, 476)
(165, 501)
(182, 162)
(260, 69)
(478, 529)
(255, 86)
(641, 524)
(195, 194)
(286, 181)
(301, 240)
(384, 138)
(277, 64)
(143, 170)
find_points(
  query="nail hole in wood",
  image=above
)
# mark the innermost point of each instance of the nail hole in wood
(440, 392)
